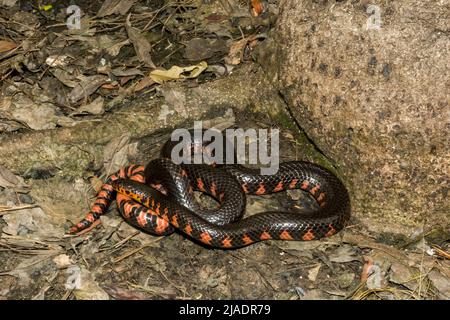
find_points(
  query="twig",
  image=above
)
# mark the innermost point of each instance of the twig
(7, 209)
(120, 243)
(130, 253)
(8, 272)
(66, 295)
(440, 252)
(182, 289)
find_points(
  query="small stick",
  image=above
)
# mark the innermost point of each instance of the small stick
(7, 209)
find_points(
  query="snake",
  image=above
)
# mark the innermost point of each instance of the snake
(159, 199)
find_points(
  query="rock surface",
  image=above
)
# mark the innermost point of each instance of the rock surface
(375, 98)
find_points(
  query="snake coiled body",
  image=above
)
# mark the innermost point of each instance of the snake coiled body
(147, 207)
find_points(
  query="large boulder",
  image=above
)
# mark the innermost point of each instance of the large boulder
(370, 85)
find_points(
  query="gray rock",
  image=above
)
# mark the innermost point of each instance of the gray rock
(375, 101)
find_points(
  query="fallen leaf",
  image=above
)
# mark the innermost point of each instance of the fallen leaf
(375, 269)
(6, 46)
(87, 288)
(10, 180)
(65, 77)
(344, 280)
(219, 30)
(175, 99)
(375, 277)
(176, 72)
(111, 222)
(26, 22)
(217, 69)
(125, 72)
(95, 107)
(344, 253)
(236, 52)
(366, 242)
(140, 43)
(116, 152)
(314, 294)
(109, 86)
(62, 261)
(441, 283)
(8, 3)
(124, 294)
(237, 49)
(115, 7)
(33, 223)
(37, 116)
(258, 7)
(26, 268)
(313, 272)
(115, 49)
(86, 87)
(403, 275)
(143, 83)
(57, 60)
(201, 49)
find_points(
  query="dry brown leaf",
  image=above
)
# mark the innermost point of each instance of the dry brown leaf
(25, 22)
(116, 152)
(236, 52)
(9, 179)
(37, 116)
(124, 294)
(122, 72)
(441, 283)
(143, 83)
(314, 272)
(344, 253)
(62, 261)
(403, 275)
(115, 7)
(140, 43)
(237, 49)
(65, 77)
(366, 242)
(8, 3)
(176, 72)
(124, 80)
(33, 223)
(110, 86)
(57, 60)
(6, 46)
(86, 87)
(200, 49)
(95, 107)
(87, 288)
(115, 49)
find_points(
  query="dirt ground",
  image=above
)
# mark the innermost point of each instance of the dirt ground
(61, 90)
